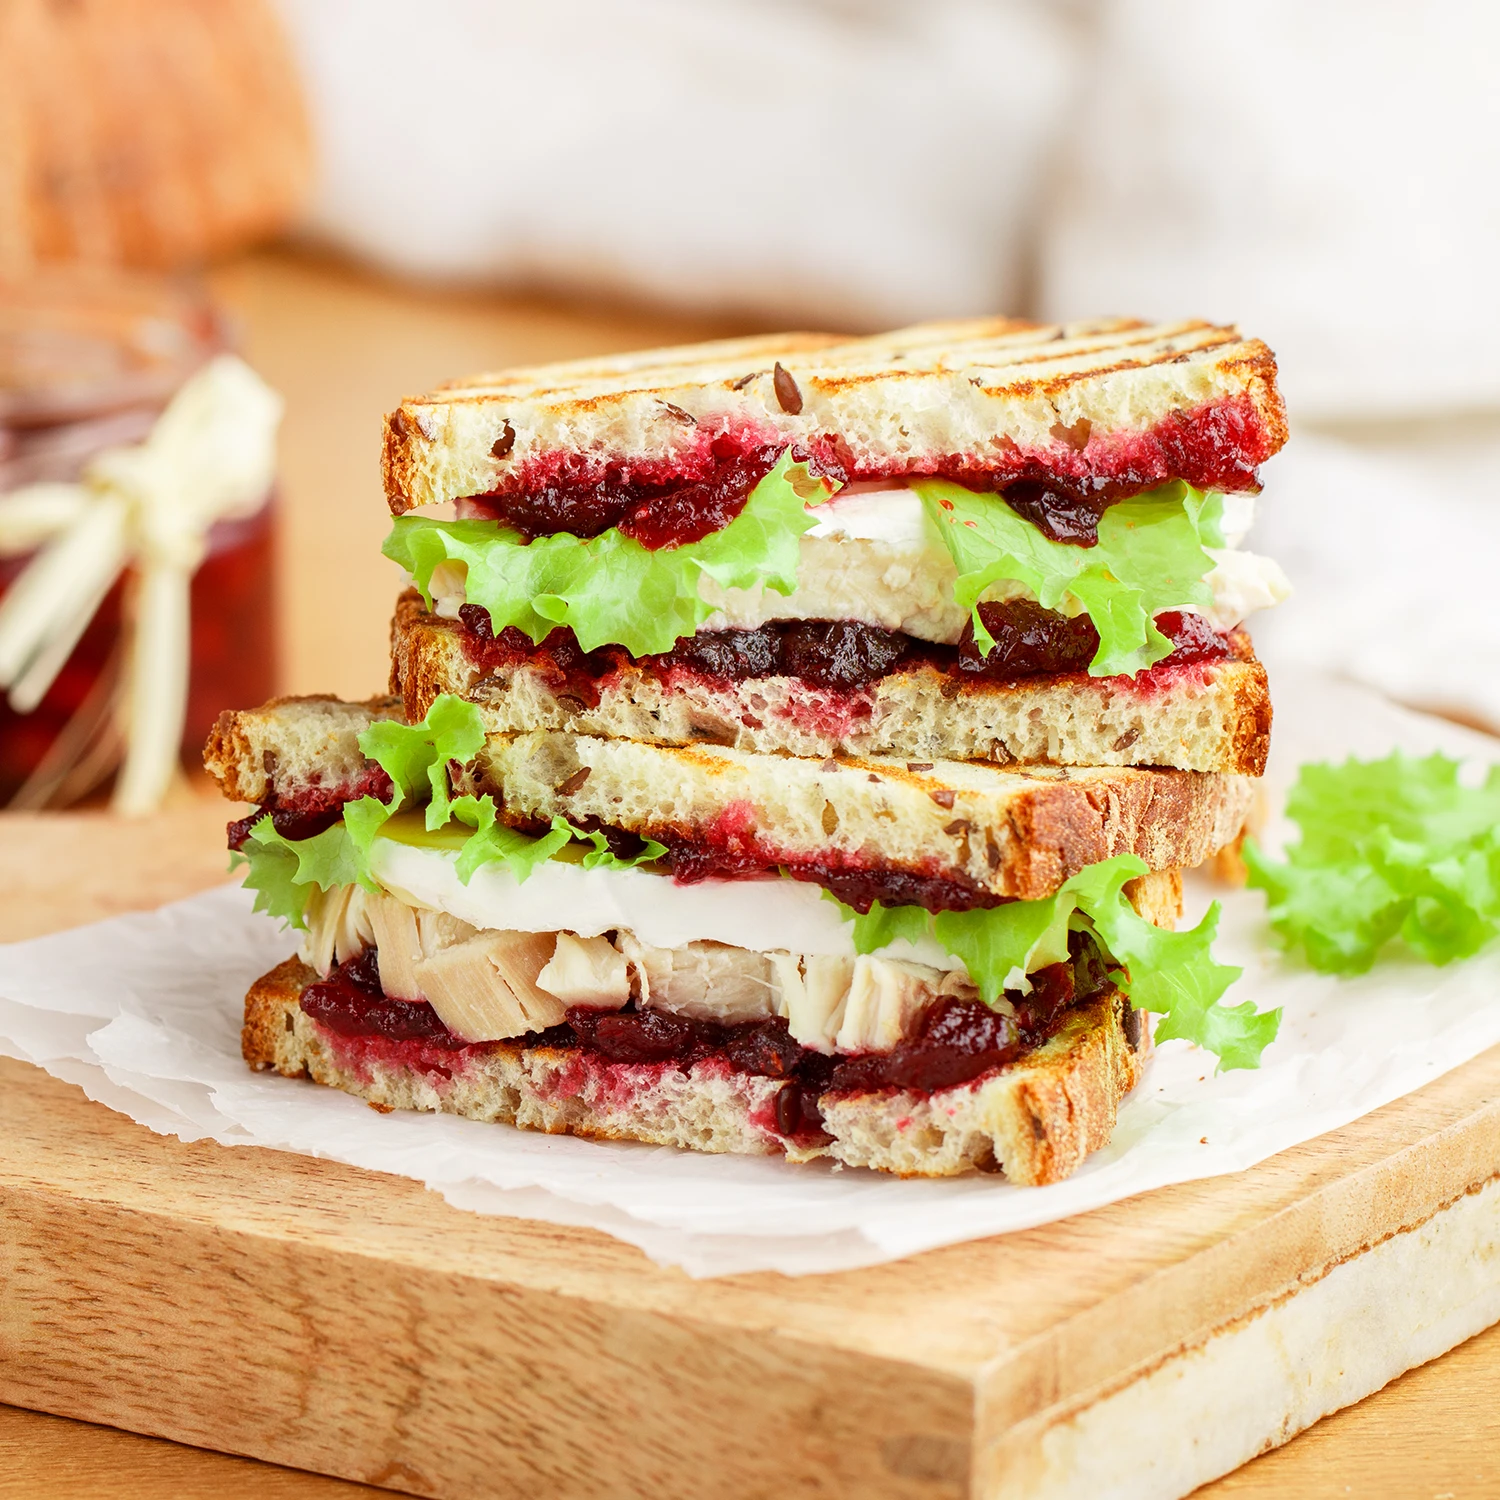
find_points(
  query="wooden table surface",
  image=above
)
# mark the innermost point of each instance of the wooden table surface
(342, 347)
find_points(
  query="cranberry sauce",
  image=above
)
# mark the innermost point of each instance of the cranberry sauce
(672, 512)
(957, 1041)
(828, 653)
(351, 1003)
(1216, 446)
(1057, 511)
(1030, 641)
(310, 809)
(1066, 510)
(691, 859)
(659, 513)
(842, 655)
(1061, 486)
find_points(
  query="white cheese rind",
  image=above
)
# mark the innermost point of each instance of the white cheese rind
(1242, 583)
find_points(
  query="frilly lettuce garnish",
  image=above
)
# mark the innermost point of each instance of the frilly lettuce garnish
(416, 757)
(1392, 852)
(1171, 974)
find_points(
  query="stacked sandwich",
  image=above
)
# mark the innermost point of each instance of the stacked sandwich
(794, 747)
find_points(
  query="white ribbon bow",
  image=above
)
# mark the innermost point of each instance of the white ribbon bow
(210, 457)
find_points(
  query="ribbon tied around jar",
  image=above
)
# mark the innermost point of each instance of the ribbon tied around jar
(148, 507)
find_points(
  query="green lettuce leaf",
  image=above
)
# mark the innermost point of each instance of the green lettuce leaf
(883, 924)
(478, 837)
(1002, 943)
(601, 857)
(609, 588)
(282, 871)
(416, 756)
(1149, 558)
(362, 821)
(1172, 974)
(492, 841)
(1391, 851)
(271, 872)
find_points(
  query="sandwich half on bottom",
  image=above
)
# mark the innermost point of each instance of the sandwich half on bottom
(1034, 1112)
(711, 950)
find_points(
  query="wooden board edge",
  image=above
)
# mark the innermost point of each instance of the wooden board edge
(1256, 1383)
(1113, 1342)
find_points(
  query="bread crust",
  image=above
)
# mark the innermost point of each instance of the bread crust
(1013, 832)
(1036, 1119)
(1213, 716)
(995, 393)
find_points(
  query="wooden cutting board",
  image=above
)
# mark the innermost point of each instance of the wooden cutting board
(352, 1323)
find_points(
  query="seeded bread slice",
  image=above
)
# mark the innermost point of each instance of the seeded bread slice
(1107, 399)
(292, 745)
(1011, 832)
(1035, 1120)
(1211, 716)
(1017, 832)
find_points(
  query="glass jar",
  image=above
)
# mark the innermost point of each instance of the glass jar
(88, 362)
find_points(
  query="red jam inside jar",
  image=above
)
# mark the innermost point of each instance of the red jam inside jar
(88, 361)
(232, 662)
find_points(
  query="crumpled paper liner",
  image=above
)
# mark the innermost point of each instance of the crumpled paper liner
(143, 1013)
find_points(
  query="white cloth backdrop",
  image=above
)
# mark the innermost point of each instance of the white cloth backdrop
(1323, 172)
(827, 162)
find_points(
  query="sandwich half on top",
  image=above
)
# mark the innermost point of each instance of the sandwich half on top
(989, 540)
(923, 967)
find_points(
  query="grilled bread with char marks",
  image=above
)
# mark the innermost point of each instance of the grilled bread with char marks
(1088, 401)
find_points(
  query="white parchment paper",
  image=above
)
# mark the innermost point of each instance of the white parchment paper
(143, 1012)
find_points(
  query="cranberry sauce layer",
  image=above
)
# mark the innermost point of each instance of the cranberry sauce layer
(585, 500)
(722, 853)
(307, 810)
(351, 1003)
(1031, 641)
(837, 654)
(957, 1042)
(1218, 445)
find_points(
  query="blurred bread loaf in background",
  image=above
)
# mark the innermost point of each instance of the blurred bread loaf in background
(148, 133)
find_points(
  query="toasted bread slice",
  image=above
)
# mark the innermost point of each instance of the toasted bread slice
(1109, 400)
(291, 746)
(1035, 1120)
(1005, 832)
(1011, 833)
(1208, 716)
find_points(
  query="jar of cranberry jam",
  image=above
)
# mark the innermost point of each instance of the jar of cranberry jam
(88, 361)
